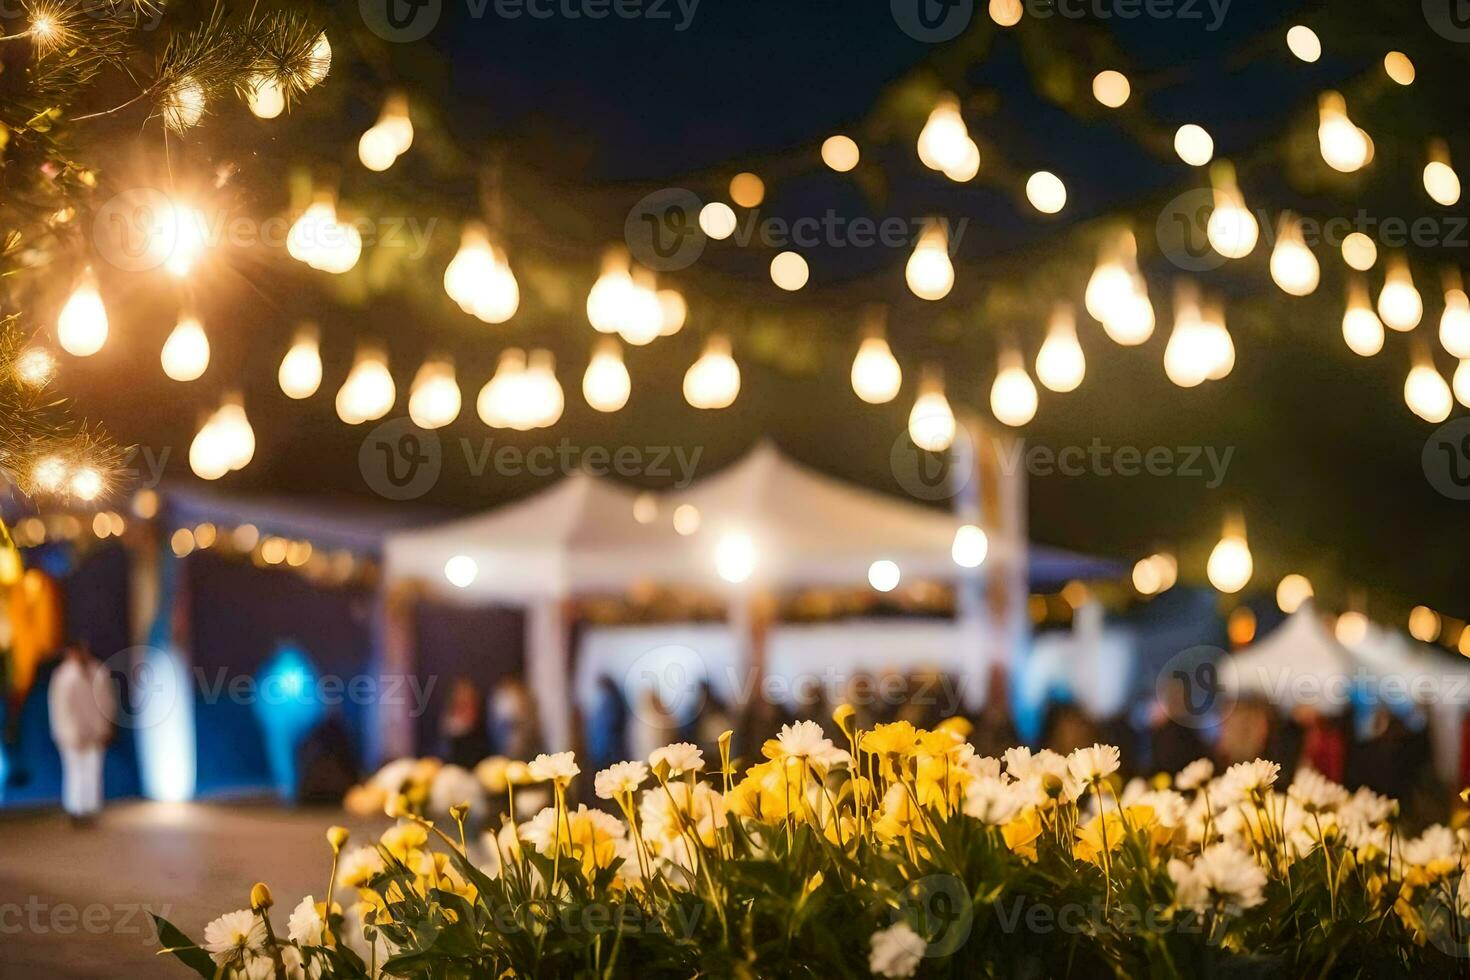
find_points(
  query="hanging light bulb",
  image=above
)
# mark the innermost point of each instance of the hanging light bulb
(611, 294)
(264, 95)
(717, 220)
(1046, 192)
(1399, 304)
(1344, 146)
(1454, 323)
(208, 456)
(389, 138)
(1424, 624)
(840, 153)
(1194, 145)
(183, 104)
(1111, 88)
(1232, 229)
(1425, 391)
(179, 237)
(1399, 67)
(736, 557)
(1361, 327)
(1292, 592)
(300, 373)
(1359, 251)
(789, 271)
(1060, 364)
(713, 381)
(1230, 565)
(1304, 43)
(1440, 179)
(944, 143)
(232, 429)
(376, 149)
(547, 400)
(931, 421)
(1189, 357)
(970, 546)
(434, 400)
(606, 384)
(479, 278)
(643, 316)
(1351, 628)
(368, 393)
(1293, 266)
(321, 241)
(501, 398)
(674, 311)
(320, 62)
(876, 376)
(929, 272)
(81, 328)
(968, 167)
(1219, 347)
(396, 121)
(1462, 383)
(186, 351)
(1117, 296)
(1013, 394)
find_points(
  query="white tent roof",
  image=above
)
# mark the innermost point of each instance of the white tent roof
(1402, 669)
(1296, 663)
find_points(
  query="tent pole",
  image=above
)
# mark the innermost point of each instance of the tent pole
(394, 633)
(972, 616)
(548, 669)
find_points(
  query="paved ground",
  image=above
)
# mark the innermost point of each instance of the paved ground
(74, 903)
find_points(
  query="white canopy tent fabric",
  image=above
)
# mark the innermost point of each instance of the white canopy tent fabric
(1296, 663)
(1403, 670)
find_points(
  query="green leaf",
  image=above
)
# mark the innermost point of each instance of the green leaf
(178, 944)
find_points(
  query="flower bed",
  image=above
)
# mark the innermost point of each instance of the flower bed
(898, 852)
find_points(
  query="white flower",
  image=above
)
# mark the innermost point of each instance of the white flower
(452, 786)
(1093, 763)
(829, 757)
(993, 802)
(260, 967)
(232, 934)
(1246, 779)
(560, 767)
(1368, 807)
(1315, 792)
(680, 757)
(897, 951)
(1223, 874)
(1019, 762)
(802, 740)
(357, 867)
(1193, 776)
(393, 775)
(1437, 843)
(305, 925)
(296, 964)
(982, 766)
(619, 779)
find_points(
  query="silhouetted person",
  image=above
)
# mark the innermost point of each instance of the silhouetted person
(514, 729)
(82, 705)
(462, 726)
(607, 724)
(326, 763)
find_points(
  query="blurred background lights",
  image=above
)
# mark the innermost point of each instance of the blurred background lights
(461, 571)
(883, 575)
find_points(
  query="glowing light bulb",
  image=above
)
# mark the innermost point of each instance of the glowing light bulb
(377, 150)
(1351, 628)
(480, 280)
(497, 404)
(1293, 266)
(1230, 566)
(368, 393)
(300, 373)
(970, 546)
(1440, 179)
(183, 105)
(840, 153)
(321, 241)
(611, 294)
(1194, 145)
(461, 571)
(968, 166)
(1454, 323)
(929, 272)
(396, 121)
(1344, 146)
(931, 420)
(236, 437)
(320, 62)
(1111, 88)
(81, 328)
(1219, 348)
(1232, 229)
(1426, 393)
(1399, 304)
(884, 576)
(717, 220)
(747, 190)
(944, 142)
(1304, 43)
(1399, 67)
(1359, 251)
(1462, 383)
(266, 98)
(1060, 364)
(673, 311)
(686, 519)
(1013, 397)
(1006, 13)
(736, 557)
(1292, 591)
(1117, 296)
(1188, 357)
(713, 381)
(209, 458)
(789, 271)
(876, 375)
(1361, 328)
(1046, 192)
(434, 399)
(642, 320)
(550, 401)
(606, 384)
(186, 351)
(178, 238)
(1424, 624)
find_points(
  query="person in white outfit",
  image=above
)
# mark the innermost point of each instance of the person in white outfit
(83, 705)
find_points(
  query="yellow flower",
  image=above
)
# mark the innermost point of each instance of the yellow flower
(337, 836)
(1021, 834)
(404, 840)
(1098, 835)
(900, 817)
(957, 724)
(765, 793)
(894, 738)
(843, 717)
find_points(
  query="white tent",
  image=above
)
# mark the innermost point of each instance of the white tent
(1296, 663)
(1404, 671)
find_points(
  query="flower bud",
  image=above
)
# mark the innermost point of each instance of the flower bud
(843, 716)
(260, 898)
(336, 836)
(458, 811)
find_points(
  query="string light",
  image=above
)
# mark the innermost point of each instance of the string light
(35, 367)
(611, 294)
(1111, 88)
(1462, 383)
(321, 241)
(547, 401)
(1194, 145)
(884, 575)
(1046, 192)
(717, 220)
(945, 144)
(497, 402)
(1188, 358)
(970, 546)
(183, 105)
(320, 63)
(931, 420)
(789, 271)
(185, 354)
(686, 520)
(1155, 574)
(1425, 390)
(479, 278)
(1399, 303)
(1351, 628)
(232, 429)
(1006, 13)
(434, 399)
(642, 320)
(1454, 322)
(300, 374)
(1232, 229)
(713, 381)
(1060, 364)
(1293, 266)
(876, 375)
(1013, 398)
(1359, 251)
(1440, 179)
(1219, 346)
(735, 557)
(81, 328)
(1424, 624)
(1117, 296)
(264, 95)
(389, 138)
(1304, 43)
(747, 190)
(368, 393)
(673, 311)
(929, 272)
(1344, 146)
(606, 385)
(209, 458)
(1361, 327)
(1399, 67)
(1292, 591)
(1230, 566)
(840, 153)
